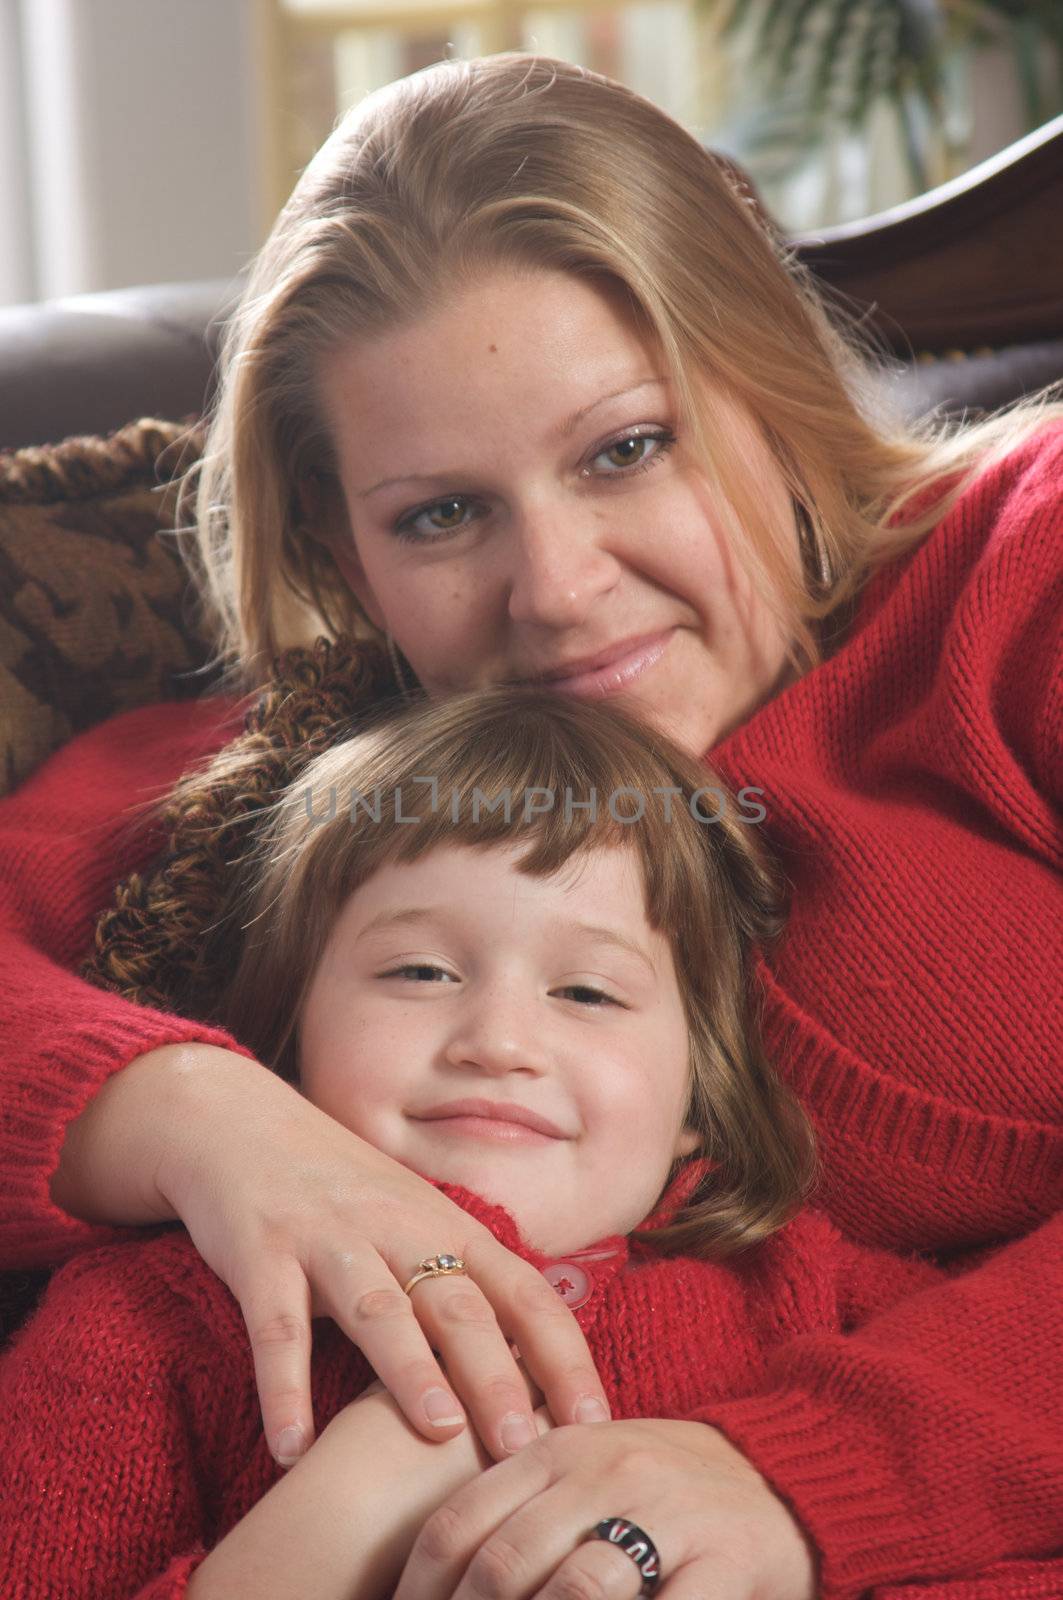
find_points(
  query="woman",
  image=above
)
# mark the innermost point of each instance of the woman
(858, 617)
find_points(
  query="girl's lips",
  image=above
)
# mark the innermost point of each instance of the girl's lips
(619, 674)
(491, 1128)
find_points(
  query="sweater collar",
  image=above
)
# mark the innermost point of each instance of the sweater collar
(577, 1275)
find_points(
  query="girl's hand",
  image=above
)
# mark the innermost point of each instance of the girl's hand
(344, 1521)
(301, 1218)
(521, 1529)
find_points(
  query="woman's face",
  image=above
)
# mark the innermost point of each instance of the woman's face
(455, 985)
(534, 521)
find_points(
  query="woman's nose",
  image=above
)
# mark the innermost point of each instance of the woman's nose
(560, 570)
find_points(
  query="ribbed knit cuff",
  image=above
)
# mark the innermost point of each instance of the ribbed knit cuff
(34, 1231)
(847, 1502)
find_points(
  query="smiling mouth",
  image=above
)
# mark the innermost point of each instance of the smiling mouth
(469, 1127)
(490, 1118)
(617, 672)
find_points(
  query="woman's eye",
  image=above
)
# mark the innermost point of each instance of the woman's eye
(664, 440)
(406, 526)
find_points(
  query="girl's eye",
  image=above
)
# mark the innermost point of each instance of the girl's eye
(419, 971)
(426, 972)
(583, 990)
(406, 526)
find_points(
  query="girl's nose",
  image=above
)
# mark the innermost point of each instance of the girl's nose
(496, 1035)
(560, 570)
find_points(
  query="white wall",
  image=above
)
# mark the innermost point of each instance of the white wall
(16, 238)
(143, 152)
(995, 97)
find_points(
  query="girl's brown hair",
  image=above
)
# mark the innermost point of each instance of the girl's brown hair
(524, 766)
(523, 162)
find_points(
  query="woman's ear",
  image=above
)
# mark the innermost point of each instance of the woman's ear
(324, 518)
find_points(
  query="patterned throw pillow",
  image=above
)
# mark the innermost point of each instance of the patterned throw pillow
(95, 602)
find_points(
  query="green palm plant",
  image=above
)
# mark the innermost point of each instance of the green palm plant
(824, 62)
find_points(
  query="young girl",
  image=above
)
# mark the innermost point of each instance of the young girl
(507, 940)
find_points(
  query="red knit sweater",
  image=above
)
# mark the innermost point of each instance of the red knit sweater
(912, 785)
(130, 1441)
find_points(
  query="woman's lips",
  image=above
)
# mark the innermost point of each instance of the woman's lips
(619, 674)
(491, 1128)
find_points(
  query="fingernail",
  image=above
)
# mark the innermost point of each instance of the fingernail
(590, 1410)
(516, 1431)
(439, 1408)
(291, 1443)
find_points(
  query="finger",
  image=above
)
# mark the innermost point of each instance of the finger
(276, 1310)
(535, 1394)
(362, 1296)
(543, 1548)
(548, 1548)
(593, 1567)
(552, 1345)
(460, 1323)
(515, 1533)
(456, 1530)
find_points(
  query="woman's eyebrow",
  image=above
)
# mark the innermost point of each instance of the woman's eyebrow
(564, 431)
(577, 417)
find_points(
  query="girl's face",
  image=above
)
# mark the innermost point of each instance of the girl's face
(455, 986)
(535, 517)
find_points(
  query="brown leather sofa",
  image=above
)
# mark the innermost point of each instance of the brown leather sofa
(91, 363)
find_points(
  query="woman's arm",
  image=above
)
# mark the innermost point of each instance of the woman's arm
(342, 1522)
(65, 837)
(925, 1443)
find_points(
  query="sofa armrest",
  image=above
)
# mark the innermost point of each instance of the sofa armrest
(91, 363)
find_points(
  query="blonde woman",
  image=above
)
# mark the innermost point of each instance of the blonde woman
(520, 382)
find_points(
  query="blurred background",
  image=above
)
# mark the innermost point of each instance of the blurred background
(147, 141)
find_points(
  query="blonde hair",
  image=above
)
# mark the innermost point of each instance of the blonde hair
(523, 162)
(707, 885)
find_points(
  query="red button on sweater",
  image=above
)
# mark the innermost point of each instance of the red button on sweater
(912, 787)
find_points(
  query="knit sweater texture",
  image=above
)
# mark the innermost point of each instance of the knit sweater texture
(129, 1436)
(912, 786)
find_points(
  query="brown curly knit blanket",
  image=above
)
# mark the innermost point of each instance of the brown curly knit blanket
(165, 940)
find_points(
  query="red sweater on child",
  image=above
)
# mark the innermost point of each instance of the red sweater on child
(912, 785)
(130, 1440)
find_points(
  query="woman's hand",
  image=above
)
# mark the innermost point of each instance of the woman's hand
(301, 1218)
(521, 1529)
